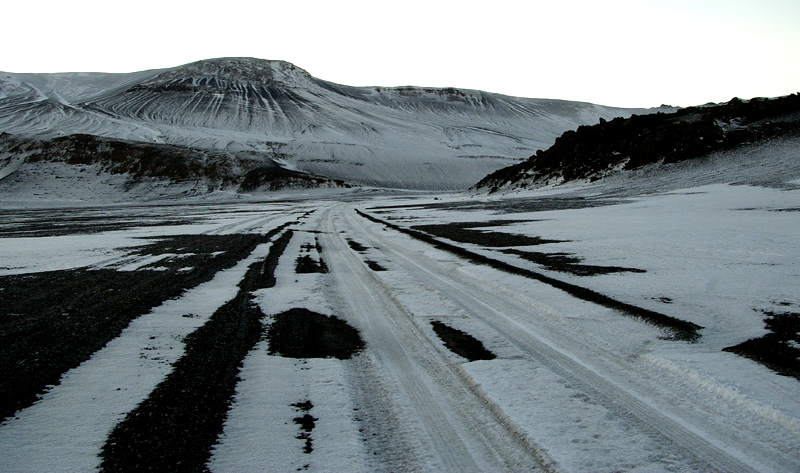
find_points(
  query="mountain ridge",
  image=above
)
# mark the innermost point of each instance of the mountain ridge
(396, 137)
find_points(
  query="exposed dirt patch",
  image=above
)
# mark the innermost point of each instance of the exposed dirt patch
(463, 233)
(679, 329)
(51, 322)
(374, 265)
(301, 333)
(779, 350)
(307, 422)
(356, 246)
(306, 264)
(568, 263)
(176, 426)
(461, 343)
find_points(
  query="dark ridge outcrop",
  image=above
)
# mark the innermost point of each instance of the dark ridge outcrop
(220, 169)
(592, 152)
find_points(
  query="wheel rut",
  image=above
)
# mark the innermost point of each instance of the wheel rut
(458, 429)
(609, 377)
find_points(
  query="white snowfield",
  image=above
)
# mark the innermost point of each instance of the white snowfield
(575, 387)
(408, 137)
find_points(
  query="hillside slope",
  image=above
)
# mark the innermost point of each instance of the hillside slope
(406, 137)
(90, 168)
(610, 147)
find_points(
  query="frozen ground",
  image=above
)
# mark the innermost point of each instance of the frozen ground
(575, 385)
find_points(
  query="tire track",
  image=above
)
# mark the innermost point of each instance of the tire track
(681, 329)
(248, 224)
(616, 380)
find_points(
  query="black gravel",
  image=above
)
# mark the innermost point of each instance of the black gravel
(53, 321)
(463, 233)
(777, 350)
(306, 264)
(306, 422)
(514, 205)
(301, 333)
(356, 246)
(375, 266)
(568, 263)
(461, 343)
(176, 426)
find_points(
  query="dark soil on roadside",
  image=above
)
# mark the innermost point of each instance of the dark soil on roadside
(301, 333)
(512, 205)
(306, 263)
(678, 329)
(465, 232)
(568, 263)
(175, 428)
(51, 322)
(778, 350)
(356, 246)
(374, 265)
(461, 343)
(306, 422)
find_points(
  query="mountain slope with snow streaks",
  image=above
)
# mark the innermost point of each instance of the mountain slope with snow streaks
(406, 137)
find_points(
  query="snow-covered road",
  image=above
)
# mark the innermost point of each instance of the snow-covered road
(656, 414)
(574, 386)
(451, 420)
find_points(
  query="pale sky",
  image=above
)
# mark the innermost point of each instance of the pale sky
(611, 52)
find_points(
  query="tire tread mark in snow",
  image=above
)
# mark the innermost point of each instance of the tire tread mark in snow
(681, 329)
(710, 451)
(412, 353)
(176, 426)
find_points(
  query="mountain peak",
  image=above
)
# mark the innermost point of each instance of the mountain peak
(236, 70)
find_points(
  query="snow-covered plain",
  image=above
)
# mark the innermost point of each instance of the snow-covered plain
(575, 386)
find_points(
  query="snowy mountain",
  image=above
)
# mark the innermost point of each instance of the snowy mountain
(406, 137)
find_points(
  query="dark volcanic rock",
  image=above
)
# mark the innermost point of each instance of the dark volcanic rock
(301, 333)
(591, 152)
